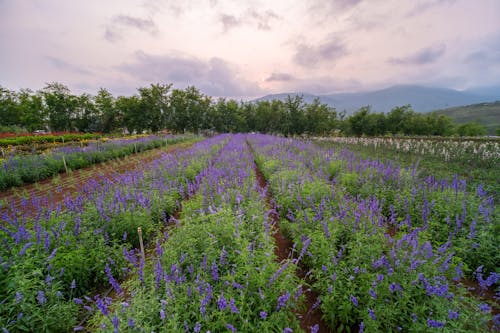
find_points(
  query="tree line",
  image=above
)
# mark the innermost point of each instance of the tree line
(160, 107)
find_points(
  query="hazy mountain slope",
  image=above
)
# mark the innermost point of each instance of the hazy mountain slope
(422, 99)
(486, 114)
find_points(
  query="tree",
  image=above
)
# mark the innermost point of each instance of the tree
(60, 106)
(319, 118)
(9, 113)
(133, 118)
(31, 111)
(471, 129)
(358, 122)
(155, 104)
(111, 118)
(294, 122)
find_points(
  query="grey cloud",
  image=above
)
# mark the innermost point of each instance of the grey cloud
(320, 10)
(261, 20)
(114, 31)
(487, 56)
(229, 21)
(422, 57)
(328, 51)
(325, 85)
(280, 77)
(421, 7)
(135, 22)
(214, 77)
(65, 66)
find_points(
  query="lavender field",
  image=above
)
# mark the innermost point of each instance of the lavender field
(258, 233)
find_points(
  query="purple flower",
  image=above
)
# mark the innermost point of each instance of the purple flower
(373, 294)
(112, 280)
(282, 300)
(287, 330)
(19, 297)
(25, 247)
(158, 273)
(162, 314)
(40, 297)
(215, 271)
(197, 327)
(78, 301)
(315, 328)
(484, 307)
(452, 314)
(101, 304)
(362, 327)
(73, 285)
(222, 303)
(434, 323)
(233, 307)
(131, 323)
(372, 314)
(354, 300)
(116, 323)
(231, 327)
(263, 314)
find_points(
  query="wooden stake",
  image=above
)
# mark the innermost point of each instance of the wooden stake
(65, 166)
(139, 231)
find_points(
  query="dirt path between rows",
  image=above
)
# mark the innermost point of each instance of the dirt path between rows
(311, 315)
(51, 192)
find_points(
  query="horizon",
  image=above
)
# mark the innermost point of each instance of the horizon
(250, 49)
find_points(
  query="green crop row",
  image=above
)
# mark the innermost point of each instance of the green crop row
(50, 138)
(386, 250)
(52, 262)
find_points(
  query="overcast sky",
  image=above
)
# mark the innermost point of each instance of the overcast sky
(247, 49)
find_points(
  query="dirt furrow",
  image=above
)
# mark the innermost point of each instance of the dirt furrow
(53, 190)
(311, 314)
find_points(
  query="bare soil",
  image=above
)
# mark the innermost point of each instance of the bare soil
(311, 314)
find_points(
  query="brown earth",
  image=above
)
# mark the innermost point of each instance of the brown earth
(309, 315)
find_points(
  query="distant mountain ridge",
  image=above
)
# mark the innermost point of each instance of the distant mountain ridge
(486, 114)
(421, 98)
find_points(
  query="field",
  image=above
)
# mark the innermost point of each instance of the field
(259, 233)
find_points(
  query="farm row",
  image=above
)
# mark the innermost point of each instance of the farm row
(17, 170)
(384, 249)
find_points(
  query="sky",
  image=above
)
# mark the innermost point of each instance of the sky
(246, 49)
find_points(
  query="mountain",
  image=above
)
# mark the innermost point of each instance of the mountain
(422, 99)
(486, 114)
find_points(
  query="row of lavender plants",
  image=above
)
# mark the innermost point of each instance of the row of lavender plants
(53, 258)
(387, 251)
(17, 170)
(216, 271)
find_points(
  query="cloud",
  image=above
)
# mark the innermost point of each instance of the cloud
(215, 77)
(280, 77)
(229, 21)
(424, 56)
(263, 20)
(114, 31)
(65, 66)
(329, 51)
(135, 22)
(487, 56)
(260, 20)
(421, 7)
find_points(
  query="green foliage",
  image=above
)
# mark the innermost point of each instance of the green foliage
(471, 129)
